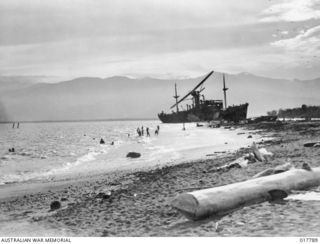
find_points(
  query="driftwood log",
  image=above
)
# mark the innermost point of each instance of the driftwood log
(224, 199)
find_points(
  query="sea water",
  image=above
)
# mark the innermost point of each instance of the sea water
(58, 151)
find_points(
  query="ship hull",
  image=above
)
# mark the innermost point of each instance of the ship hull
(233, 113)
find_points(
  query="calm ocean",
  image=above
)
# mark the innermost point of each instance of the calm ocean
(54, 151)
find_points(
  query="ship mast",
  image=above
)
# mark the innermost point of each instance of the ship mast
(193, 92)
(225, 91)
(176, 96)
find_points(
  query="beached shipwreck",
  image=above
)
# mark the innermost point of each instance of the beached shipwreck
(203, 109)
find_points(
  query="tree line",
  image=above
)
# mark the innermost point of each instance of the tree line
(300, 112)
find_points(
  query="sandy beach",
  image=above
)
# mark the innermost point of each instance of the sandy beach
(138, 203)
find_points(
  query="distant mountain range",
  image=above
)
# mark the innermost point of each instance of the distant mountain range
(88, 98)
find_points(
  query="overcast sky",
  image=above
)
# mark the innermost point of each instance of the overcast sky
(160, 38)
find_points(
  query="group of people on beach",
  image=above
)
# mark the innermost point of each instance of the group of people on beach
(140, 132)
(13, 124)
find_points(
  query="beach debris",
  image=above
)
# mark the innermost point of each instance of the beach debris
(243, 162)
(316, 145)
(235, 164)
(218, 228)
(283, 168)
(104, 195)
(306, 166)
(11, 149)
(63, 199)
(264, 152)
(102, 141)
(240, 133)
(133, 155)
(54, 205)
(250, 157)
(264, 173)
(311, 144)
(271, 171)
(219, 201)
(256, 152)
(112, 143)
(238, 163)
(249, 136)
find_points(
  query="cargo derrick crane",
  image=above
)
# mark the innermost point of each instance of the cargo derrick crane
(194, 93)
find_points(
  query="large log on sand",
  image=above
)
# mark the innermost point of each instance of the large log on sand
(224, 199)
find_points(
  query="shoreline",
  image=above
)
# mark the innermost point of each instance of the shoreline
(138, 203)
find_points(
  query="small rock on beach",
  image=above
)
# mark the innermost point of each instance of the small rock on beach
(133, 155)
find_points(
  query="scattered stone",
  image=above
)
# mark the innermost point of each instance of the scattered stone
(316, 145)
(102, 141)
(55, 205)
(112, 143)
(277, 194)
(11, 149)
(306, 167)
(63, 199)
(249, 136)
(240, 223)
(133, 155)
(240, 133)
(218, 228)
(103, 195)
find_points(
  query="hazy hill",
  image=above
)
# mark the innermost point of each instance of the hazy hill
(121, 97)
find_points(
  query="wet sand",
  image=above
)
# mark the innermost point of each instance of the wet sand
(138, 203)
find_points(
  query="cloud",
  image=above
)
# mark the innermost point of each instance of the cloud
(307, 42)
(102, 38)
(301, 52)
(292, 10)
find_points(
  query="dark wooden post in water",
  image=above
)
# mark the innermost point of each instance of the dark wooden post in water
(225, 91)
(176, 96)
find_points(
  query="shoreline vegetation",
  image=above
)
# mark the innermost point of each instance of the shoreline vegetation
(307, 112)
(138, 203)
